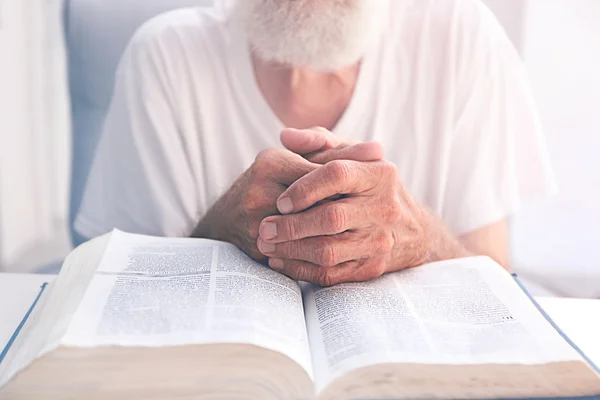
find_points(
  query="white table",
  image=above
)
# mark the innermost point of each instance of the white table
(578, 318)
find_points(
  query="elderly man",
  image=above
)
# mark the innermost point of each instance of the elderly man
(426, 137)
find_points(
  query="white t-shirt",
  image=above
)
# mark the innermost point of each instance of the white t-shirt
(443, 90)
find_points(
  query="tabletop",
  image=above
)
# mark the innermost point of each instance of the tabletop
(579, 319)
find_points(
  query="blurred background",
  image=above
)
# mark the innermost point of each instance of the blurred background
(57, 61)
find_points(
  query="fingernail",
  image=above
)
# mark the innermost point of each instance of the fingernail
(269, 230)
(276, 263)
(265, 247)
(285, 205)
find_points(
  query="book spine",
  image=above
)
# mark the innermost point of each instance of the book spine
(23, 321)
(560, 331)
(564, 336)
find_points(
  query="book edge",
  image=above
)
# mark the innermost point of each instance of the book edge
(14, 336)
(554, 325)
(564, 336)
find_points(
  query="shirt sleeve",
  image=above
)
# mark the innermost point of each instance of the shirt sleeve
(498, 156)
(141, 180)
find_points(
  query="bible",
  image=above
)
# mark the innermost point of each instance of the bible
(143, 317)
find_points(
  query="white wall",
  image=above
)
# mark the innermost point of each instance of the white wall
(34, 134)
(554, 241)
(558, 239)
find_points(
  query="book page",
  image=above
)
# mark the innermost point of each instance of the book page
(467, 311)
(175, 291)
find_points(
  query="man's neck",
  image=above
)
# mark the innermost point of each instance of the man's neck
(304, 98)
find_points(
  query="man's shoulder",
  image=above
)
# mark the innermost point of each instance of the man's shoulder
(176, 29)
(442, 16)
(443, 29)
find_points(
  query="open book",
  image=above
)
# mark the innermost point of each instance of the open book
(134, 316)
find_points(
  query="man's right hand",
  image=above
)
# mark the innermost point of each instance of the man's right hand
(236, 216)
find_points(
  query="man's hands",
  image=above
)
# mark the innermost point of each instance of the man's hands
(327, 212)
(375, 228)
(372, 227)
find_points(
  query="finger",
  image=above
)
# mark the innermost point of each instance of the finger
(326, 219)
(334, 178)
(306, 141)
(351, 271)
(282, 166)
(321, 250)
(367, 151)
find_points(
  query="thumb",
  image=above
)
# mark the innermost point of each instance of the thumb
(320, 146)
(306, 141)
(284, 167)
(366, 151)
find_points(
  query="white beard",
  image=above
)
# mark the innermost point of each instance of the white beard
(324, 35)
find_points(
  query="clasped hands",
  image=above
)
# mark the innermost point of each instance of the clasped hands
(323, 211)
